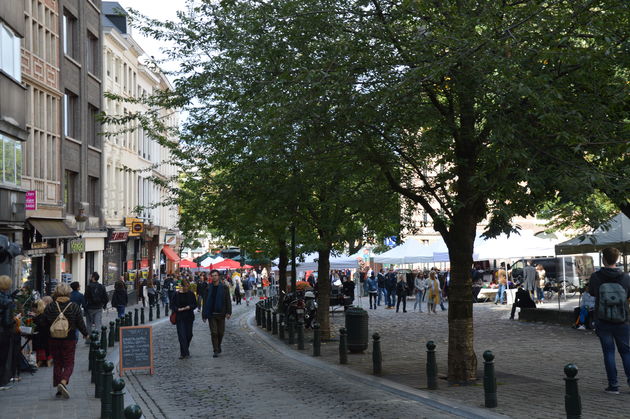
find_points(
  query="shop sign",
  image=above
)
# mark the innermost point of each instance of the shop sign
(135, 226)
(39, 245)
(170, 239)
(119, 236)
(30, 203)
(76, 245)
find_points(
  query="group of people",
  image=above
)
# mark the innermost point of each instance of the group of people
(534, 279)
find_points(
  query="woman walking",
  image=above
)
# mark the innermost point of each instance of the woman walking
(238, 286)
(152, 293)
(540, 283)
(433, 292)
(420, 284)
(184, 304)
(40, 339)
(63, 340)
(119, 299)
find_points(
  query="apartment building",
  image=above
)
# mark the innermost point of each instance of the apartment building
(138, 227)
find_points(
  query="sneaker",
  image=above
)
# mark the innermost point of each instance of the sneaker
(611, 390)
(215, 355)
(58, 394)
(581, 327)
(63, 390)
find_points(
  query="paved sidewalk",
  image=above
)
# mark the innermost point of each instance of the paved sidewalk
(34, 396)
(529, 363)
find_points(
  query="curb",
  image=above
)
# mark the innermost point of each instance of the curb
(424, 397)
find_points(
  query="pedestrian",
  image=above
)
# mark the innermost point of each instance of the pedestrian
(380, 281)
(77, 297)
(218, 308)
(152, 292)
(420, 286)
(390, 287)
(522, 299)
(247, 289)
(96, 301)
(433, 292)
(171, 287)
(529, 278)
(401, 292)
(611, 289)
(202, 288)
(372, 287)
(40, 339)
(502, 282)
(142, 291)
(119, 298)
(348, 287)
(184, 304)
(63, 338)
(238, 285)
(540, 283)
(9, 338)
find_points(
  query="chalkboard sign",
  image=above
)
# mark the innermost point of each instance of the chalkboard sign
(136, 348)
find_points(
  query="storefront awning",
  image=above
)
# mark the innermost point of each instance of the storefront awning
(170, 254)
(51, 229)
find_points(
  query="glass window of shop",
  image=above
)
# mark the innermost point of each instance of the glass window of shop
(10, 161)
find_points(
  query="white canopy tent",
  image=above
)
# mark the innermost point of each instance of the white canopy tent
(210, 261)
(311, 259)
(409, 252)
(524, 244)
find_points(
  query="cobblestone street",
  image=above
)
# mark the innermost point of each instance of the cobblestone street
(251, 380)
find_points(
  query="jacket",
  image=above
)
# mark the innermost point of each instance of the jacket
(6, 312)
(183, 299)
(529, 278)
(119, 298)
(226, 307)
(72, 313)
(92, 291)
(401, 288)
(607, 275)
(78, 298)
(390, 281)
(372, 284)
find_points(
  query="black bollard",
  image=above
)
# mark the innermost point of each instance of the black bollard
(112, 334)
(157, 310)
(343, 346)
(141, 315)
(135, 317)
(258, 322)
(291, 330)
(300, 334)
(93, 342)
(129, 319)
(317, 341)
(489, 380)
(106, 399)
(431, 366)
(281, 327)
(98, 374)
(118, 398)
(97, 347)
(133, 412)
(117, 331)
(150, 313)
(269, 319)
(274, 323)
(104, 338)
(377, 356)
(572, 401)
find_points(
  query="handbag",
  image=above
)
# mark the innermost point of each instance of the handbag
(173, 317)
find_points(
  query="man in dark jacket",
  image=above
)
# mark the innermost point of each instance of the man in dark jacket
(217, 309)
(523, 300)
(390, 286)
(95, 301)
(382, 292)
(611, 289)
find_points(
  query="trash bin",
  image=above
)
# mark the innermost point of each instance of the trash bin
(357, 328)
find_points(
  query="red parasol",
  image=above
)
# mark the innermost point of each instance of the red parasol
(187, 263)
(226, 264)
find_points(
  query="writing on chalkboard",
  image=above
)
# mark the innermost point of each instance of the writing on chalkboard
(136, 348)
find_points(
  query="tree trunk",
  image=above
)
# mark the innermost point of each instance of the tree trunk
(462, 361)
(282, 269)
(323, 291)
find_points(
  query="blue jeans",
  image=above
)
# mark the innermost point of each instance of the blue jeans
(121, 311)
(419, 298)
(381, 293)
(391, 298)
(500, 294)
(609, 335)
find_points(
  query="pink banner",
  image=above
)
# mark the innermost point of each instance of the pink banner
(31, 201)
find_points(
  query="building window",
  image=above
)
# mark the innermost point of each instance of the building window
(93, 195)
(71, 183)
(10, 53)
(69, 34)
(10, 161)
(92, 54)
(93, 127)
(70, 114)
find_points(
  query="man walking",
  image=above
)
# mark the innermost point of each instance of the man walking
(95, 301)
(390, 286)
(529, 278)
(217, 309)
(611, 289)
(380, 280)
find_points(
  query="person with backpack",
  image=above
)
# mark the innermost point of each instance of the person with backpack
(96, 301)
(62, 318)
(611, 289)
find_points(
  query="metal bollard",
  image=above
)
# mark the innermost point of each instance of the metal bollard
(141, 315)
(274, 323)
(150, 313)
(269, 319)
(112, 332)
(106, 399)
(258, 322)
(489, 380)
(281, 327)
(133, 412)
(118, 398)
(93, 342)
(104, 338)
(135, 317)
(98, 374)
(300, 334)
(291, 330)
(343, 346)
(317, 341)
(431, 366)
(572, 400)
(97, 347)
(117, 331)
(377, 356)
(157, 310)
